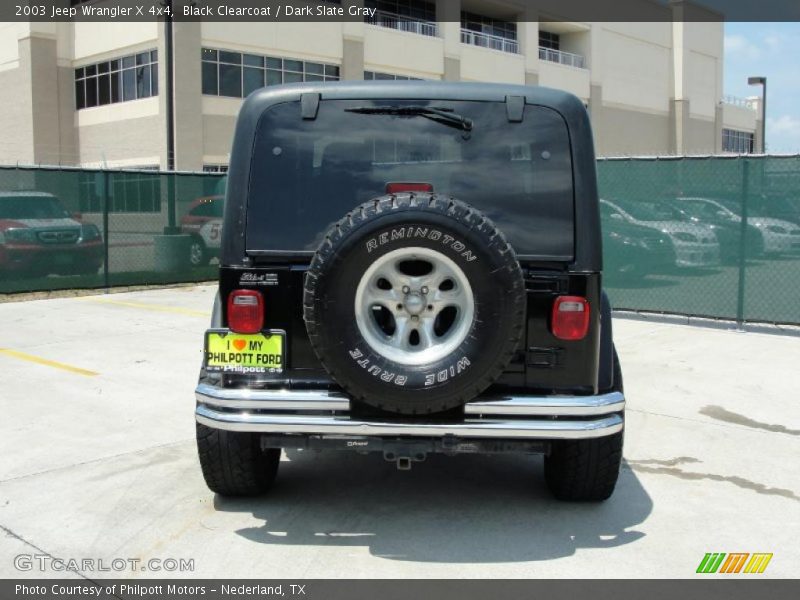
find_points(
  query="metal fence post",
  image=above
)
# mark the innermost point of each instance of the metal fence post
(743, 245)
(106, 194)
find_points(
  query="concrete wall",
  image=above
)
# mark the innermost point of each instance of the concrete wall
(482, 64)
(701, 136)
(632, 65)
(571, 79)
(36, 95)
(9, 47)
(92, 42)
(400, 52)
(131, 142)
(217, 136)
(738, 117)
(625, 132)
(309, 41)
(189, 133)
(16, 118)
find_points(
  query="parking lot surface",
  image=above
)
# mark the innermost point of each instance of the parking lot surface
(98, 461)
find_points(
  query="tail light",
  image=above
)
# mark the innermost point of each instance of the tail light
(395, 187)
(245, 311)
(570, 319)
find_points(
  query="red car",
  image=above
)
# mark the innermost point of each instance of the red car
(39, 237)
(203, 221)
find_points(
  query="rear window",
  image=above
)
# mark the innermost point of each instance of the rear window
(307, 174)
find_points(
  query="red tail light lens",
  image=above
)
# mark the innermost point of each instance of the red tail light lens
(570, 320)
(245, 311)
(395, 187)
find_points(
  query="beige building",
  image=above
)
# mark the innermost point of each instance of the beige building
(92, 94)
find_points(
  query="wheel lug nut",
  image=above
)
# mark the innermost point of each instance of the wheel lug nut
(406, 289)
(424, 290)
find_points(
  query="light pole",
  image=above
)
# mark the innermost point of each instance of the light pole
(762, 81)
(171, 228)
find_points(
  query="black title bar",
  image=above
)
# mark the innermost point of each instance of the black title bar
(710, 588)
(356, 11)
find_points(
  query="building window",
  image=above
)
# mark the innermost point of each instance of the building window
(236, 75)
(375, 76)
(215, 168)
(488, 26)
(549, 40)
(120, 80)
(130, 192)
(740, 142)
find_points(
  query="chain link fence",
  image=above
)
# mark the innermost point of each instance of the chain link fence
(714, 237)
(63, 228)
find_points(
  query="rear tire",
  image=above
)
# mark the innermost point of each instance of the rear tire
(234, 464)
(586, 470)
(198, 253)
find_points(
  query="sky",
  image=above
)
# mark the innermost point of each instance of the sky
(771, 50)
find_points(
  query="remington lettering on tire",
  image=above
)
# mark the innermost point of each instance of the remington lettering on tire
(414, 303)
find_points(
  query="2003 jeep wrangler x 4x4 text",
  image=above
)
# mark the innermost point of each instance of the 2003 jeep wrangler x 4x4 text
(411, 268)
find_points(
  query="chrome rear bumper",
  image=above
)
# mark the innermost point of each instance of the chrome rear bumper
(319, 412)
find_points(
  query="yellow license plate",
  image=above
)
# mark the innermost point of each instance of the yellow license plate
(229, 352)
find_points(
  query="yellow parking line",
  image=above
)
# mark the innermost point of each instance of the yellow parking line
(48, 363)
(155, 307)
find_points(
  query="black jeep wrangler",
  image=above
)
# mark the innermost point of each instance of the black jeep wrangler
(411, 268)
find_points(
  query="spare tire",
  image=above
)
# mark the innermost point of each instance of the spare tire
(414, 303)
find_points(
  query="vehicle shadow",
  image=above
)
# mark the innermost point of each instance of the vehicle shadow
(465, 509)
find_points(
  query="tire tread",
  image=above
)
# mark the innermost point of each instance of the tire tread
(586, 470)
(233, 463)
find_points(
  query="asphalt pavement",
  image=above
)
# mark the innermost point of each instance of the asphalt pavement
(98, 463)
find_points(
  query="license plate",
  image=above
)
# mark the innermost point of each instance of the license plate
(229, 352)
(63, 259)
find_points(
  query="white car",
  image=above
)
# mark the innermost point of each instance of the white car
(203, 222)
(695, 245)
(778, 236)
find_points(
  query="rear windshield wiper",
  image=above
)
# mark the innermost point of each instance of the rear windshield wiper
(445, 116)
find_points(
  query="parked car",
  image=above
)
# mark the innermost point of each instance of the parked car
(695, 245)
(778, 205)
(629, 248)
(728, 231)
(411, 269)
(777, 236)
(39, 237)
(203, 221)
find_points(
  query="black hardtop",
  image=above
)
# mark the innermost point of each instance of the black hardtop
(588, 251)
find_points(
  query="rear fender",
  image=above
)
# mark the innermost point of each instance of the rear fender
(605, 371)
